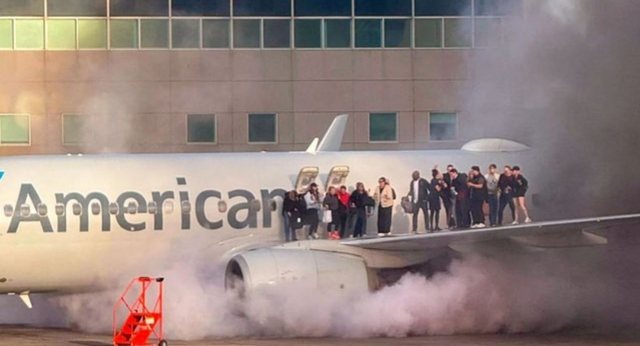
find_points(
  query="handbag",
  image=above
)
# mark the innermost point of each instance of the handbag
(326, 216)
(407, 205)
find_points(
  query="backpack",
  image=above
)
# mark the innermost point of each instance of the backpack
(393, 191)
(302, 203)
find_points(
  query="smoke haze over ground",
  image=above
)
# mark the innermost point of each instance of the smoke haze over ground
(567, 84)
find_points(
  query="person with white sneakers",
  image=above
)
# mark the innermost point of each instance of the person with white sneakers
(520, 190)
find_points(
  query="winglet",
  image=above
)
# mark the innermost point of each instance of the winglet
(313, 147)
(332, 140)
(24, 296)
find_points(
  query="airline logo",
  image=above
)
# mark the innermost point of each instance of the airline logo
(240, 210)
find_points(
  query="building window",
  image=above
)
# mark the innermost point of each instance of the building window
(246, 33)
(262, 128)
(73, 129)
(76, 8)
(487, 32)
(139, 8)
(6, 34)
(383, 127)
(215, 33)
(322, 8)
(201, 128)
(497, 7)
(31, 8)
(154, 33)
(124, 33)
(444, 8)
(337, 33)
(200, 8)
(92, 33)
(457, 32)
(61, 34)
(428, 33)
(368, 33)
(397, 33)
(185, 33)
(277, 33)
(383, 7)
(14, 129)
(262, 8)
(29, 33)
(443, 126)
(308, 33)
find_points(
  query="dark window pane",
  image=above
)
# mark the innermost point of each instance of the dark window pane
(308, 33)
(93, 8)
(383, 127)
(124, 33)
(383, 7)
(428, 33)
(262, 128)
(92, 33)
(72, 129)
(322, 8)
(397, 33)
(337, 33)
(277, 33)
(498, 7)
(246, 33)
(262, 8)
(14, 129)
(154, 33)
(368, 33)
(186, 33)
(201, 128)
(215, 33)
(158, 8)
(217, 8)
(443, 126)
(457, 32)
(443, 7)
(21, 7)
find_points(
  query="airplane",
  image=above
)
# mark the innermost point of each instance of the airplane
(80, 223)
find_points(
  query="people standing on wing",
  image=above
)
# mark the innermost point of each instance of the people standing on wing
(521, 185)
(437, 186)
(343, 211)
(384, 196)
(492, 178)
(506, 187)
(331, 203)
(419, 195)
(312, 201)
(358, 206)
(459, 182)
(291, 212)
(478, 185)
(448, 197)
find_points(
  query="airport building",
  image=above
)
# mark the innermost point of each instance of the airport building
(239, 75)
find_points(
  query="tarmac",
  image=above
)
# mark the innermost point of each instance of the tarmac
(29, 336)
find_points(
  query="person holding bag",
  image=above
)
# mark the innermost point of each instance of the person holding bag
(330, 216)
(312, 202)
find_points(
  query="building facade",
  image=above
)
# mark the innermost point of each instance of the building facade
(239, 75)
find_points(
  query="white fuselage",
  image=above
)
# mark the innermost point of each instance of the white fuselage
(58, 251)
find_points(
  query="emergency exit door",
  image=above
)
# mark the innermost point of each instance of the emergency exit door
(306, 176)
(337, 177)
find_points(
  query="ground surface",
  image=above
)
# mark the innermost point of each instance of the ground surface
(27, 336)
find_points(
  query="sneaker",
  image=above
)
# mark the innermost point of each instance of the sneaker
(480, 225)
(527, 220)
(316, 236)
(382, 234)
(515, 222)
(310, 237)
(438, 229)
(474, 226)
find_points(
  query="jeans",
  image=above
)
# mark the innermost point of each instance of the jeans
(416, 211)
(506, 199)
(289, 230)
(493, 209)
(360, 223)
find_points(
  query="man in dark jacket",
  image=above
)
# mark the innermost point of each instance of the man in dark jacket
(506, 185)
(419, 195)
(478, 185)
(459, 182)
(447, 197)
(292, 215)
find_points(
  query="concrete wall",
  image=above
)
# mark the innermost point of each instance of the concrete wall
(138, 100)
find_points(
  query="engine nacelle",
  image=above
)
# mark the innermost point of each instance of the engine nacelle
(322, 269)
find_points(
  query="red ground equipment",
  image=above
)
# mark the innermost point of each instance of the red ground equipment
(142, 304)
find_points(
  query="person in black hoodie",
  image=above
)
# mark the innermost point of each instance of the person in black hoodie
(419, 196)
(506, 185)
(291, 212)
(437, 186)
(478, 185)
(448, 199)
(359, 203)
(520, 190)
(459, 182)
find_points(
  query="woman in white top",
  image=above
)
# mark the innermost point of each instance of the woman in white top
(313, 203)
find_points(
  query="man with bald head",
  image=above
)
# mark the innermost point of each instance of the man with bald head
(419, 196)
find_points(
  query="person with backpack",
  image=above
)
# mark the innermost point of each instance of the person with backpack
(313, 205)
(384, 197)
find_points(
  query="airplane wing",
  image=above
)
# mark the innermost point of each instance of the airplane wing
(551, 234)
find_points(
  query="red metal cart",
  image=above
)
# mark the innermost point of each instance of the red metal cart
(144, 324)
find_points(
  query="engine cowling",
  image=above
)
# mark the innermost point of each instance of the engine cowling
(322, 269)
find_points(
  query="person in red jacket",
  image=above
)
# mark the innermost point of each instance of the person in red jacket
(343, 210)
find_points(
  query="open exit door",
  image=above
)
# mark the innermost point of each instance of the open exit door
(306, 176)
(337, 177)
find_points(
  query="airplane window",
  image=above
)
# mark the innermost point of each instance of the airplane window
(168, 207)
(113, 208)
(95, 208)
(255, 205)
(60, 209)
(25, 210)
(77, 209)
(8, 210)
(132, 208)
(222, 206)
(152, 208)
(185, 206)
(42, 210)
